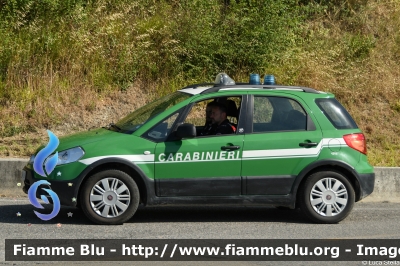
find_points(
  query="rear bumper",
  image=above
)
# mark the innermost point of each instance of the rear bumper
(367, 183)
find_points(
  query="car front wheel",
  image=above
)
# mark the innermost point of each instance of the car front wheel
(109, 197)
(327, 197)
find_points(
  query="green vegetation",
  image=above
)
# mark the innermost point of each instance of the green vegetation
(71, 65)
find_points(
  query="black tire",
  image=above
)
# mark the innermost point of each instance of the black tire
(327, 206)
(114, 204)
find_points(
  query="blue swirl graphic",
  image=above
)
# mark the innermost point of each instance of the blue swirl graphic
(32, 198)
(49, 163)
(44, 153)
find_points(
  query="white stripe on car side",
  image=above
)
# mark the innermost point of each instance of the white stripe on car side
(305, 152)
(246, 155)
(198, 161)
(133, 158)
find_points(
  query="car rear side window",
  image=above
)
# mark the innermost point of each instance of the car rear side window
(336, 113)
(278, 114)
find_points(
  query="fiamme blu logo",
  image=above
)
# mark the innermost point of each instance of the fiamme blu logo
(43, 165)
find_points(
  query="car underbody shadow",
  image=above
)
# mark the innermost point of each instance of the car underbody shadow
(217, 214)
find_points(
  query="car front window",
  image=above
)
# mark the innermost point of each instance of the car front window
(139, 117)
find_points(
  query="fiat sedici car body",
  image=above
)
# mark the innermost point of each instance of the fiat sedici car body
(289, 147)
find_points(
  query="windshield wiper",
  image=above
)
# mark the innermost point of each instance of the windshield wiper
(114, 126)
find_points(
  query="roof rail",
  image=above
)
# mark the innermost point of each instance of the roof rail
(266, 87)
(194, 86)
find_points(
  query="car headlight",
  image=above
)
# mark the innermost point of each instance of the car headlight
(70, 155)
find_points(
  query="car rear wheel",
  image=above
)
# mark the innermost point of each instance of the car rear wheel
(109, 197)
(326, 197)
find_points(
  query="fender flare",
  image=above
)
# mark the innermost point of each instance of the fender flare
(328, 163)
(148, 184)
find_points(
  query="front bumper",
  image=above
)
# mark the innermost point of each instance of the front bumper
(67, 191)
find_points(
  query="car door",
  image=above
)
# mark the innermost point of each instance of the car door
(199, 166)
(281, 140)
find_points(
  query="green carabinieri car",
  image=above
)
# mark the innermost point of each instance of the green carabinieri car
(218, 143)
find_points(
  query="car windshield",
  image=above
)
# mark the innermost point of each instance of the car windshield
(137, 118)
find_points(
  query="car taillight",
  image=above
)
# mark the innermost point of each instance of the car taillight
(356, 141)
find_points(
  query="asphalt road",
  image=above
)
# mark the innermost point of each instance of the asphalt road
(367, 221)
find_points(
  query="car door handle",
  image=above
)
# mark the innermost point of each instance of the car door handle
(308, 144)
(230, 148)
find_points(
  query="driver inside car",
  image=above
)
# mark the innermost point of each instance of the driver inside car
(221, 124)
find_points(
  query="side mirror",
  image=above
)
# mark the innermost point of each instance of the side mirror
(186, 131)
